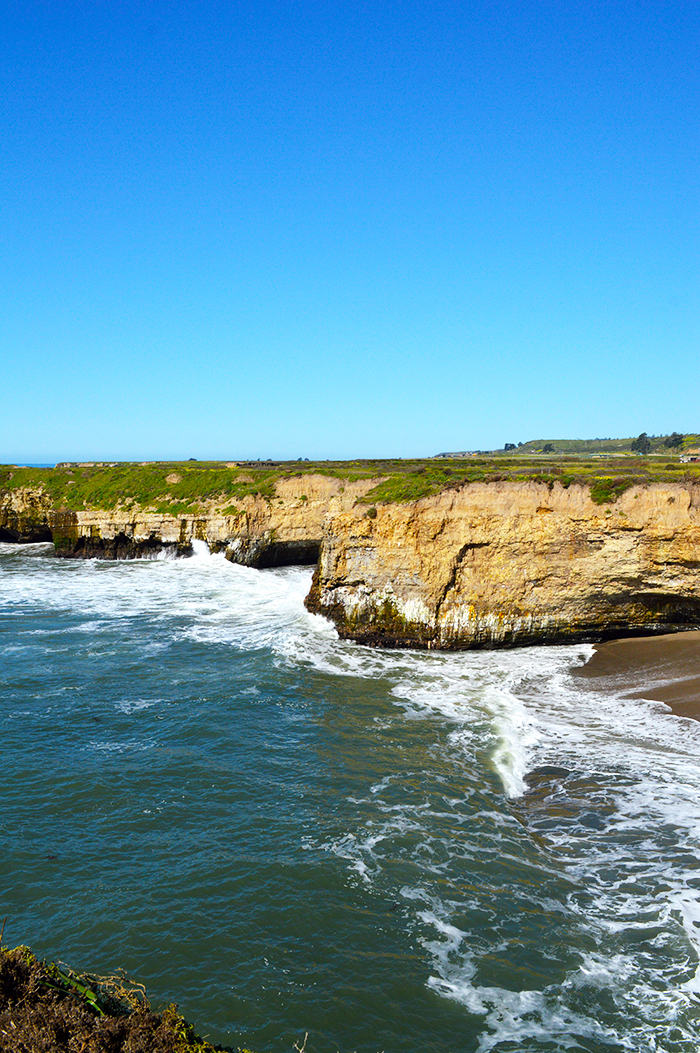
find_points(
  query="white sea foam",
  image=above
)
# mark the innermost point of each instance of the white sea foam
(652, 757)
(120, 747)
(135, 705)
(200, 549)
(527, 709)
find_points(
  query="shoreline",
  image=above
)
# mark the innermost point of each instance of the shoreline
(657, 668)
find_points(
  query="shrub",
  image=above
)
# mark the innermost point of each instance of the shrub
(605, 490)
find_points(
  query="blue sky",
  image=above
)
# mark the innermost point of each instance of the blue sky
(337, 230)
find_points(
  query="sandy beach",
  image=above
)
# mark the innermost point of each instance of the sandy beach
(663, 668)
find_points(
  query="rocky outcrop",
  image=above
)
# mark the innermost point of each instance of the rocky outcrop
(510, 563)
(482, 565)
(24, 516)
(285, 529)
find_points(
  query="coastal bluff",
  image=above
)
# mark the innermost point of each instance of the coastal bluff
(512, 563)
(476, 564)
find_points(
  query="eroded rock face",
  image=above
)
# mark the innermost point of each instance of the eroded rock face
(284, 530)
(503, 564)
(24, 516)
(487, 565)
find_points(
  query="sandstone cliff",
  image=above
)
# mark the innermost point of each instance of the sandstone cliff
(480, 565)
(262, 532)
(512, 563)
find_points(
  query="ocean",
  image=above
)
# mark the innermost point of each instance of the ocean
(286, 833)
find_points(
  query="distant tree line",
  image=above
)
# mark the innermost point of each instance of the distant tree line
(642, 444)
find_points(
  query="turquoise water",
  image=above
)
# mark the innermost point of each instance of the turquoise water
(286, 833)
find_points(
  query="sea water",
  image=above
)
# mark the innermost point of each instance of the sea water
(287, 833)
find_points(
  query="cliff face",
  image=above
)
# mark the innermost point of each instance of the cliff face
(510, 563)
(24, 515)
(286, 529)
(483, 565)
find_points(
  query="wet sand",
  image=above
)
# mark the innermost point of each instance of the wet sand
(663, 668)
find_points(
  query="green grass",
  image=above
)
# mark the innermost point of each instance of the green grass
(189, 488)
(147, 485)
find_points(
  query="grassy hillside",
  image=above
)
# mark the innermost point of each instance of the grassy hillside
(659, 446)
(608, 447)
(189, 487)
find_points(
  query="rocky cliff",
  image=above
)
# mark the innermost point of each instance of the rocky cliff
(261, 531)
(480, 565)
(510, 563)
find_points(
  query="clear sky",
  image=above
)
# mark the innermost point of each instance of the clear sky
(350, 229)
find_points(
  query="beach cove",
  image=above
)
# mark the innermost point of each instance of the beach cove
(663, 669)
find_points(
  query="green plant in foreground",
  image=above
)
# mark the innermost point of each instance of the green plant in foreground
(45, 1008)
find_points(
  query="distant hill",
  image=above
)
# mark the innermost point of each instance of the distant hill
(658, 444)
(666, 445)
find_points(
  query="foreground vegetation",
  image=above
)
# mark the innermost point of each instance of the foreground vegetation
(44, 1009)
(191, 487)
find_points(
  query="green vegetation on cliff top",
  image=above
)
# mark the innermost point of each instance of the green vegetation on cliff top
(173, 487)
(607, 479)
(191, 488)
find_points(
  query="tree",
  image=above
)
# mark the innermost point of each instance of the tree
(674, 441)
(548, 448)
(509, 446)
(642, 444)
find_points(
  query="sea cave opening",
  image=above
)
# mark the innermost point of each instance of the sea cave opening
(289, 554)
